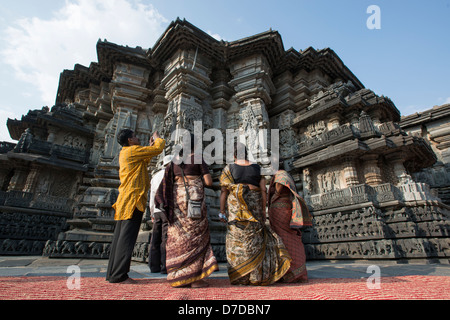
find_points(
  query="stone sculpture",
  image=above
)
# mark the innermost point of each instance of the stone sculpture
(364, 172)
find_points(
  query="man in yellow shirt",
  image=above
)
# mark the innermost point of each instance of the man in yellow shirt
(132, 200)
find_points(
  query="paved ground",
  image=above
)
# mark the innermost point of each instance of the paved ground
(18, 266)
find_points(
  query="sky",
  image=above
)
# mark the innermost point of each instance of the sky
(406, 57)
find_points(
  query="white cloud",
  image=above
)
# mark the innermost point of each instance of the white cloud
(215, 35)
(5, 113)
(442, 101)
(39, 50)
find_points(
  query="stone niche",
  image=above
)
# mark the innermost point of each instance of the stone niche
(375, 183)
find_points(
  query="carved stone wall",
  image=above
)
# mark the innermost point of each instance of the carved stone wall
(433, 126)
(364, 172)
(357, 167)
(35, 210)
(372, 232)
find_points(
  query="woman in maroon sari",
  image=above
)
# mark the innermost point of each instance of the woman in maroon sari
(288, 213)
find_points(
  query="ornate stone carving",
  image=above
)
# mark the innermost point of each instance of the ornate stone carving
(363, 171)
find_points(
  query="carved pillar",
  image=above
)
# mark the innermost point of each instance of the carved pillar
(32, 178)
(186, 82)
(17, 182)
(253, 86)
(397, 159)
(143, 126)
(221, 94)
(372, 173)
(354, 121)
(287, 136)
(122, 120)
(129, 96)
(350, 173)
(160, 103)
(375, 115)
(98, 142)
(410, 189)
(334, 120)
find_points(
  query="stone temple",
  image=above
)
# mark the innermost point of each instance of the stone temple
(377, 184)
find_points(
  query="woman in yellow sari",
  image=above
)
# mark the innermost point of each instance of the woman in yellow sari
(255, 254)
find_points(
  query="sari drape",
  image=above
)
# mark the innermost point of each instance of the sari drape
(300, 216)
(189, 255)
(285, 222)
(255, 254)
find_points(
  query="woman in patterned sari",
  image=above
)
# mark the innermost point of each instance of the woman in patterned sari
(189, 256)
(287, 214)
(255, 254)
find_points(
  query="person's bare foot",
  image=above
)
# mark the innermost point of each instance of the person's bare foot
(128, 281)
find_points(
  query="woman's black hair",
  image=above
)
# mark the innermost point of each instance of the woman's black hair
(123, 137)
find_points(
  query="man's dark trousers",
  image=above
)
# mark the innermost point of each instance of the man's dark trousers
(157, 254)
(124, 239)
